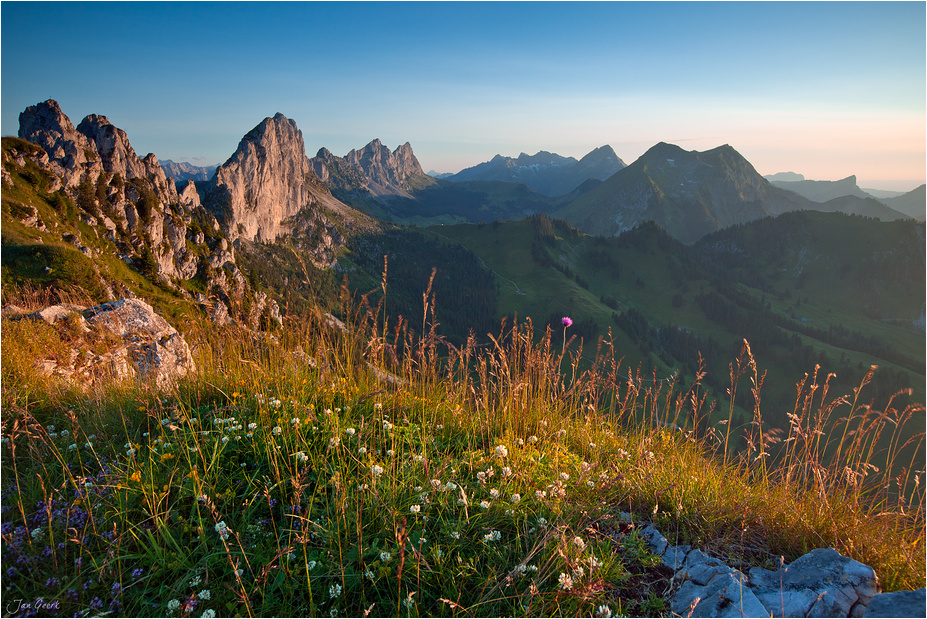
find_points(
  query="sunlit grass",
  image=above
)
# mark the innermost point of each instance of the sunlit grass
(346, 470)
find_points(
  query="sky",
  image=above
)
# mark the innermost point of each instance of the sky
(824, 89)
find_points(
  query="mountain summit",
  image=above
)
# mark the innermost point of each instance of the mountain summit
(547, 173)
(688, 193)
(373, 169)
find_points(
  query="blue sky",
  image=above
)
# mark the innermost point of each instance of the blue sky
(824, 89)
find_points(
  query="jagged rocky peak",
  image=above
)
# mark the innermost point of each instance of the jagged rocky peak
(373, 168)
(118, 156)
(71, 155)
(268, 189)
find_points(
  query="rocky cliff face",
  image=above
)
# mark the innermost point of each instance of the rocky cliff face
(268, 189)
(182, 171)
(131, 207)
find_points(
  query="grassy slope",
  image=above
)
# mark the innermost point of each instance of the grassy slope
(353, 493)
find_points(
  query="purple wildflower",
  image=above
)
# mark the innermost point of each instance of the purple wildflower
(566, 321)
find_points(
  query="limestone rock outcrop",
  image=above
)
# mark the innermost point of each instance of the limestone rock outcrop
(821, 583)
(72, 157)
(123, 340)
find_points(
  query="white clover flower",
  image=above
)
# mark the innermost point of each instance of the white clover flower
(173, 605)
(566, 583)
(484, 504)
(334, 441)
(72, 447)
(301, 457)
(604, 612)
(415, 509)
(350, 431)
(455, 535)
(376, 469)
(277, 430)
(435, 483)
(378, 406)
(520, 442)
(532, 439)
(439, 426)
(501, 451)
(419, 459)
(208, 614)
(205, 594)
(295, 421)
(361, 451)
(493, 536)
(449, 486)
(494, 493)
(578, 572)
(506, 471)
(369, 575)
(540, 495)
(385, 557)
(390, 453)
(516, 498)
(195, 580)
(565, 476)
(387, 426)
(594, 563)
(130, 452)
(542, 522)
(252, 426)
(334, 591)
(579, 543)
(422, 541)
(225, 440)
(64, 433)
(311, 565)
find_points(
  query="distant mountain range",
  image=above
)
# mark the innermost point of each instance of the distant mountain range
(182, 171)
(911, 204)
(547, 173)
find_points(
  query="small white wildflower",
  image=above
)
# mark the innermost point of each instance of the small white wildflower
(64, 433)
(422, 541)
(301, 457)
(506, 471)
(72, 447)
(369, 575)
(419, 459)
(494, 493)
(350, 431)
(334, 441)
(376, 470)
(435, 483)
(520, 442)
(387, 426)
(516, 498)
(173, 605)
(277, 430)
(252, 426)
(501, 451)
(579, 543)
(295, 421)
(208, 614)
(415, 509)
(493, 536)
(130, 453)
(311, 565)
(334, 591)
(566, 583)
(385, 557)
(439, 426)
(205, 594)
(542, 522)
(532, 439)
(484, 504)
(591, 484)
(195, 580)
(378, 406)
(455, 535)
(540, 495)
(390, 453)
(565, 476)
(604, 612)
(578, 572)
(594, 563)
(361, 451)
(449, 486)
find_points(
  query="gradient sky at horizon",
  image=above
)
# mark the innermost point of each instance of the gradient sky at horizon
(824, 89)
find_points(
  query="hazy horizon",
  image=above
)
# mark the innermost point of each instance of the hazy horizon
(826, 90)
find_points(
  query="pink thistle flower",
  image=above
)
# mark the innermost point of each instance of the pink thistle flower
(566, 321)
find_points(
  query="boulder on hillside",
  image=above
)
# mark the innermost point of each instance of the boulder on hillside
(129, 342)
